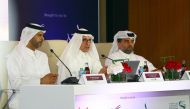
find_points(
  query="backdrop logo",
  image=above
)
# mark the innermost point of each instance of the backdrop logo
(182, 105)
(177, 105)
(55, 15)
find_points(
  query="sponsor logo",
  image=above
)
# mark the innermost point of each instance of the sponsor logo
(177, 105)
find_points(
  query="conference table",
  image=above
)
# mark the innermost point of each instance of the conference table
(133, 95)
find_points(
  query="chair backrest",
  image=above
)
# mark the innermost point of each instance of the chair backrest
(58, 47)
(103, 48)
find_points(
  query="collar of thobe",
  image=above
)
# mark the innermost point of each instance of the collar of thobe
(83, 54)
(30, 52)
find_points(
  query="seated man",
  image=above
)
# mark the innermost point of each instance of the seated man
(80, 51)
(26, 65)
(122, 49)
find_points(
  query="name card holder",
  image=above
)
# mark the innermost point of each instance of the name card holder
(151, 77)
(93, 79)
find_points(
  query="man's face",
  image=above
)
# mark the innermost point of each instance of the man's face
(126, 45)
(86, 42)
(37, 40)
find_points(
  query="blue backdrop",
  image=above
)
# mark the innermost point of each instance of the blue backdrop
(59, 16)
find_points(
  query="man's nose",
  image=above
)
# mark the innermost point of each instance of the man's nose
(88, 44)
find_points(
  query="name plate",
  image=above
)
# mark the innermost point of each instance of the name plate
(151, 77)
(93, 79)
(186, 75)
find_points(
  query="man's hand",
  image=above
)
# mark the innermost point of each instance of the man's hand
(104, 71)
(50, 78)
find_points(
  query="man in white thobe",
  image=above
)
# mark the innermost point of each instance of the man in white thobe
(26, 65)
(80, 50)
(122, 49)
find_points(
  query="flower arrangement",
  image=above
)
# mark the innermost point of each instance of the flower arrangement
(118, 71)
(126, 68)
(172, 70)
(173, 65)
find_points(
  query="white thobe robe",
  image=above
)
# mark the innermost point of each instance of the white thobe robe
(25, 67)
(77, 63)
(131, 57)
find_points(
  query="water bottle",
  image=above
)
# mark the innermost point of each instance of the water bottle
(141, 70)
(81, 72)
(145, 67)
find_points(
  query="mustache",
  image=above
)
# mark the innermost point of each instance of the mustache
(130, 46)
(129, 50)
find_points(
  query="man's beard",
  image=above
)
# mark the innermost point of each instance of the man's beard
(37, 44)
(128, 50)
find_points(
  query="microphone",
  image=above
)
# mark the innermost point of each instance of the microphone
(69, 80)
(104, 56)
(51, 50)
(113, 61)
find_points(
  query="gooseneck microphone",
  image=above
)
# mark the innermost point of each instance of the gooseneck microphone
(69, 80)
(51, 50)
(104, 56)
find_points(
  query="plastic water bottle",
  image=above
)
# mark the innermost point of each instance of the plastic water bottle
(81, 72)
(141, 70)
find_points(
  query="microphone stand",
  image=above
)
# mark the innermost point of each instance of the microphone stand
(69, 80)
(9, 99)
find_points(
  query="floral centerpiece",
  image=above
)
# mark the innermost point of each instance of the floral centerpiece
(172, 70)
(118, 71)
(126, 68)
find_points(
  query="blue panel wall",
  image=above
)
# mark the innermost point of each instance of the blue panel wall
(59, 16)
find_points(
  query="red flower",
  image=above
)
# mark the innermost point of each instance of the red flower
(173, 65)
(127, 69)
